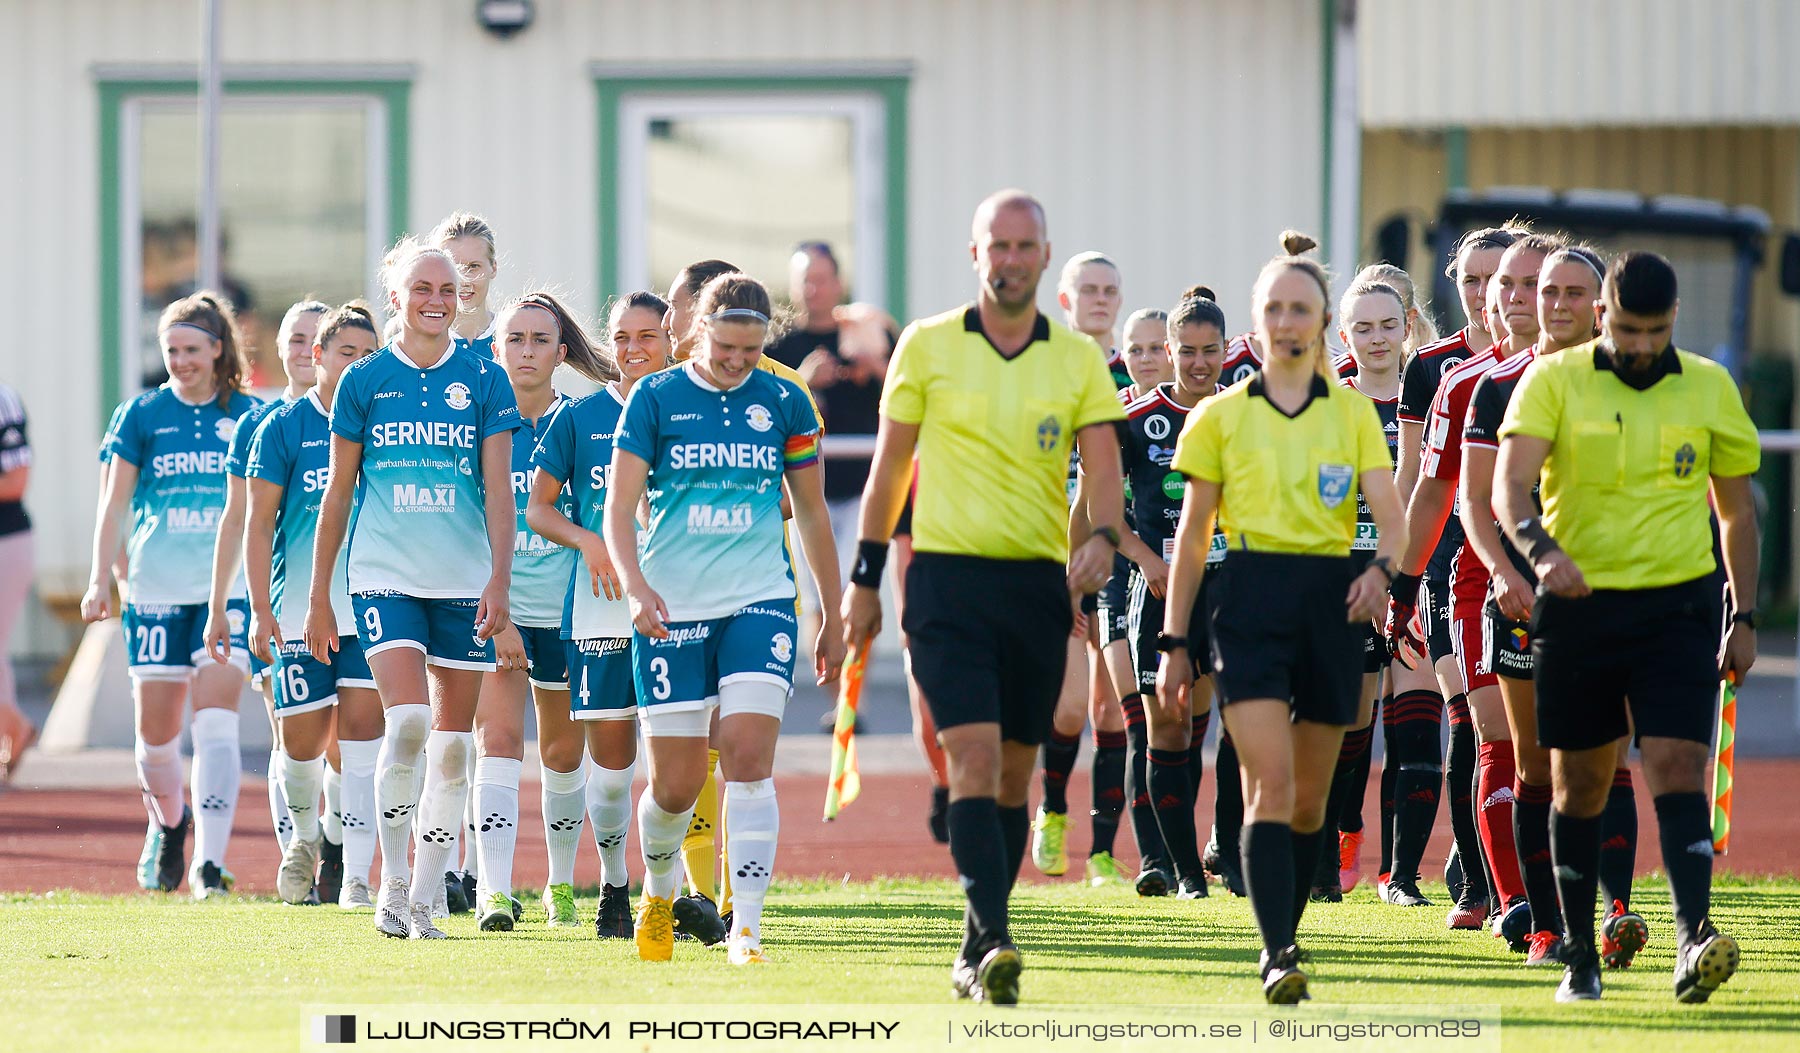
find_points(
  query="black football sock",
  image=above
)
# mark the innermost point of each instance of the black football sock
(1575, 847)
(1353, 769)
(1059, 760)
(1108, 788)
(1416, 737)
(1618, 841)
(1268, 861)
(1459, 783)
(1531, 833)
(1228, 805)
(1173, 810)
(1685, 825)
(1309, 849)
(978, 847)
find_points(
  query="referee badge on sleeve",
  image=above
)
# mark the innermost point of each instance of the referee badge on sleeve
(1334, 483)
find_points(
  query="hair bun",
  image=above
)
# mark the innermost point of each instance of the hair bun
(1295, 243)
(1199, 292)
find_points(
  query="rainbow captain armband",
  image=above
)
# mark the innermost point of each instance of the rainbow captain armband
(802, 452)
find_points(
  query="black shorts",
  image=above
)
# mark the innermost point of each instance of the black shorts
(1113, 604)
(1506, 643)
(1434, 613)
(1374, 648)
(1278, 631)
(988, 639)
(1146, 621)
(903, 526)
(1655, 651)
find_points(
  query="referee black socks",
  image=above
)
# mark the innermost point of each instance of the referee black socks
(1575, 846)
(1015, 831)
(978, 847)
(1309, 852)
(1269, 876)
(1685, 823)
(1059, 761)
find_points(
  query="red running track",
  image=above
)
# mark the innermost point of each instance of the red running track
(89, 840)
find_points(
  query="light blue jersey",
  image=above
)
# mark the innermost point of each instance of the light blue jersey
(237, 459)
(576, 447)
(482, 345)
(112, 428)
(419, 528)
(180, 450)
(540, 569)
(715, 540)
(292, 449)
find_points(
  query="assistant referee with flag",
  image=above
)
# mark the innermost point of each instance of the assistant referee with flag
(1629, 435)
(990, 399)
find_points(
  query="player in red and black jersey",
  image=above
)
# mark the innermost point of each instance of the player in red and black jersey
(1472, 265)
(1166, 763)
(1512, 298)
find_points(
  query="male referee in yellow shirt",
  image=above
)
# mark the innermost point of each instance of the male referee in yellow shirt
(1629, 434)
(990, 397)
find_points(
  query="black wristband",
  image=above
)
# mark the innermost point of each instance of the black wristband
(871, 560)
(1405, 588)
(1107, 533)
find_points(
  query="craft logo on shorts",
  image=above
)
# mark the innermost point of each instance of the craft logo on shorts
(782, 647)
(1334, 483)
(1174, 485)
(758, 418)
(1048, 433)
(1684, 460)
(224, 428)
(456, 396)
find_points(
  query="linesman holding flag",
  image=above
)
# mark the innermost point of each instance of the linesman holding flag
(1628, 436)
(990, 397)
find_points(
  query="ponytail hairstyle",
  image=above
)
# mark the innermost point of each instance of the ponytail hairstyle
(211, 313)
(580, 352)
(1364, 286)
(353, 315)
(1482, 238)
(1145, 314)
(463, 225)
(649, 301)
(738, 292)
(1293, 245)
(1421, 330)
(1198, 305)
(306, 306)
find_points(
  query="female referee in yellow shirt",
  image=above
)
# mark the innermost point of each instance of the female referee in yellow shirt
(1278, 460)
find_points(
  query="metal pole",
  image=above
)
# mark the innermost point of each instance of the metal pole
(209, 232)
(1344, 237)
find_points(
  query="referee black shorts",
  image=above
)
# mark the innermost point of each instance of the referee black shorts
(988, 640)
(1114, 602)
(1146, 621)
(1434, 612)
(1652, 652)
(1278, 631)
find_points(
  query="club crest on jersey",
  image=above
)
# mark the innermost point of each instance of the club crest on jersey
(782, 647)
(1157, 426)
(456, 396)
(1048, 433)
(1334, 483)
(224, 428)
(758, 418)
(235, 618)
(1684, 460)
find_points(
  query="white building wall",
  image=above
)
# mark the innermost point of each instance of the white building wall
(1178, 136)
(1435, 63)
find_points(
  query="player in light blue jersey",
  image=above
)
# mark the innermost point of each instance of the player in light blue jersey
(319, 705)
(295, 338)
(470, 242)
(536, 334)
(714, 445)
(168, 455)
(422, 439)
(575, 453)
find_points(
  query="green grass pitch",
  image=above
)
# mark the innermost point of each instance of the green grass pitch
(159, 973)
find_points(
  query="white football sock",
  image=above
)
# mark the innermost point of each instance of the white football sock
(609, 810)
(497, 820)
(300, 784)
(214, 781)
(397, 786)
(159, 776)
(331, 820)
(470, 853)
(441, 804)
(278, 810)
(661, 833)
(359, 760)
(564, 811)
(752, 823)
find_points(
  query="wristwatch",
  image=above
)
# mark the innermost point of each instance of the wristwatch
(1166, 643)
(1746, 617)
(1386, 566)
(1110, 535)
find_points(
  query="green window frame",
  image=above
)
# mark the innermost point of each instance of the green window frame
(116, 89)
(886, 85)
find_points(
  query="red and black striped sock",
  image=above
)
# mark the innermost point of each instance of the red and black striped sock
(1618, 841)
(1459, 782)
(1108, 789)
(1173, 811)
(1531, 832)
(1059, 760)
(1415, 734)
